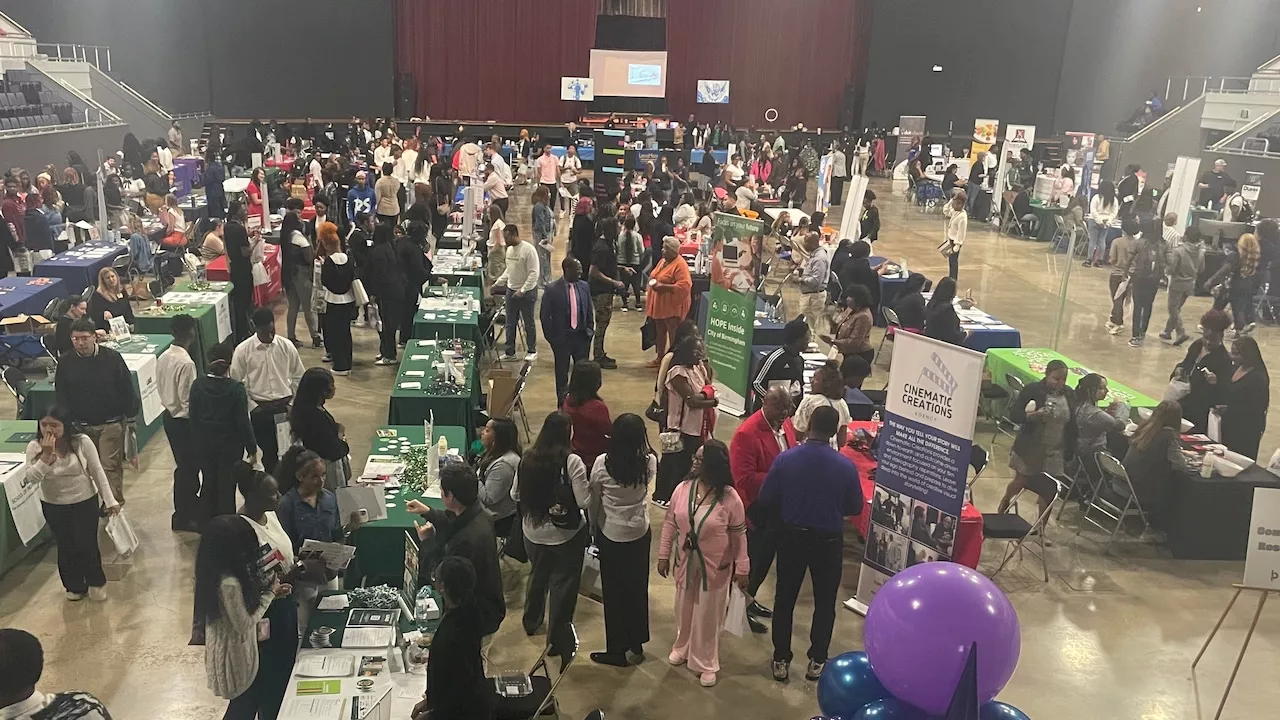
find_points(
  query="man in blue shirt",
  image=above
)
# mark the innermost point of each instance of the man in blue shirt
(810, 489)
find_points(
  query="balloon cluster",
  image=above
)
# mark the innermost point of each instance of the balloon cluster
(919, 630)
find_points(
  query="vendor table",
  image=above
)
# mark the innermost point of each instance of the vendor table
(1045, 215)
(766, 332)
(1208, 518)
(448, 267)
(380, 544)
(457, 316)
(194, 208)
(29, 295)
(11, 548)
(185, 172)
(452, 239)
(796, 214)
(985, 332)
(414, 405)
(216, 269)
(890, 286)
(79, 267)
(140, 353)
(1028, 364)
(210, 308)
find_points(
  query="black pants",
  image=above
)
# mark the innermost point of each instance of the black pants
(186, 470)
(761, 547)
(819, 554)
(263, 419)
(337, 334)
(241, 308)
(391, 309)
(75, 529)
(1144, 296)
(1242, 304)
(556, 572)
(218, 491)
(571, 349)
(633, 282)
(953, 266)
(520, 311)
(503, 203)
(837, 190)
(276, 655)
(407, 315)
(624, 577)
(673, 467)
(1117, 304)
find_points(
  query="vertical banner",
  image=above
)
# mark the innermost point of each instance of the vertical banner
(1016, 139)
(825, 167)
(852, 217)
(409, 585)
(985, 134)
(924, 451)
(1183, 188)
(730, 325)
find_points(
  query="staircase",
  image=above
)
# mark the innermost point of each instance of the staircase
(1178, 132)
(145, 118)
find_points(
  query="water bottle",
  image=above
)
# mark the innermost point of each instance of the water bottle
(875, 417)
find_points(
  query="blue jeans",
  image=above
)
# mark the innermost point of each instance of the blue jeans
(544, 265)
(1097, 242)
(521, 308)
(971, 189)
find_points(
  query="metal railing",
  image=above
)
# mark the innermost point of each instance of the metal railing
(98, 56)
(1251, 128)
(137, 95)
(87, 125)
(91, 105)
(1178, 90)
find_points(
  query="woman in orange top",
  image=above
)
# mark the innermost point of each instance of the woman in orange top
(669, 295)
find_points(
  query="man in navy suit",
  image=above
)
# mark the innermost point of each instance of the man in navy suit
(568, 322)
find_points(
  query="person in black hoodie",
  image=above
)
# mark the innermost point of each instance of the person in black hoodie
(360, 240)
(411, 250)
(312, 425)
(236, 238)
(220, 431)
(910, 306)
(851, 267)
(214, 175)
(940, 319)
(386, 278)
(456, 686)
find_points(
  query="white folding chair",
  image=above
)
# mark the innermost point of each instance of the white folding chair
(1115, 501)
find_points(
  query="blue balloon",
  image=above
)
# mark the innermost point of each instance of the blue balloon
(890, 709)
(996, 710)
(847, 683)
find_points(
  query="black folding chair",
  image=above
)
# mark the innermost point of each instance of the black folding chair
(1014, 529)
(1115, 500)
(542, 700)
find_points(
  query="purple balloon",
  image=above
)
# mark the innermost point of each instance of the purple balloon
(920, 627)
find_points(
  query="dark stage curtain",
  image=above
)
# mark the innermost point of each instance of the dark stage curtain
(795, 56)
(494, 59)
(620, 32)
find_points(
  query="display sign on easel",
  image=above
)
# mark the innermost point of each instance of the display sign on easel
(1016, 139)
(577, 89)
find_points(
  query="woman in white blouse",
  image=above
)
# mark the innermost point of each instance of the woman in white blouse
(685, 215)
(620, 515)
(957, 229)
(497, 262)
(73, 486)
(550, 492)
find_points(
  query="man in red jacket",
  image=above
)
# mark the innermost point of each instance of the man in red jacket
(758, 440)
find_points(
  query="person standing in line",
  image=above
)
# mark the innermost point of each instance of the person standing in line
(221, 432)
(570, 168)
(1119, 257)
(21, 665)
(520, 278)
(175, 373)
(605, 282)
(755, 445)
(270, 368)
(297, 261)
(839, 171)
(619, 485)
(957, 228)
(311, 424)
(64, 462)
(1146, 268)
(568, 322)
(551, 488)
(337, 276)
(1183, 263)
(240, 267)
(385, 275)
(411, 249)
(704, 530)
(547, 168)
(386, 195)
(812, 488)
(96, 388)
(544, 233)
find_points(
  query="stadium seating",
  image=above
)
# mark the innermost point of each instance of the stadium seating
(25, 103)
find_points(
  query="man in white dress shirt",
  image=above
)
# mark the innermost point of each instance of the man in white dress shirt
(175, 372)
(270, 368)
(521, 280)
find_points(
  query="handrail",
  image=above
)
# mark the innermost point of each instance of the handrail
(1164, 118)
(92, 104)
(88, 124)
(1273, 155)
(194, 115)
(1225, 142)
(16, 24)
(78, 53)
(138, 96)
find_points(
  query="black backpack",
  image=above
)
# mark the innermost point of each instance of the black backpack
(564, 513)
(1148, 261)
(1246, 210)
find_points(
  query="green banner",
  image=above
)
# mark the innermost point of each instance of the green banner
(730, 324)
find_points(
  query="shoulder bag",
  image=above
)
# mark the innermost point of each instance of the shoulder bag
(564, 512)
(669, 441)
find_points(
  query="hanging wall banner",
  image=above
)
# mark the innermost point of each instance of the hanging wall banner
(1017, 138)
(985, 134)
(577, 89)
(713, 91)
(735, 266)
(924, 450)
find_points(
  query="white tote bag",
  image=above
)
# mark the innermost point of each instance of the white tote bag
(735, 618)
(590, 586)
(121, 533)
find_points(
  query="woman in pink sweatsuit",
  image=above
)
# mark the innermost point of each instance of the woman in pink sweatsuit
(706, 528)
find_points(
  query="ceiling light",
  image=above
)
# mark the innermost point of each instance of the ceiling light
(937, 68)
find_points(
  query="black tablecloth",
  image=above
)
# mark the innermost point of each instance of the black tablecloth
(1209, 517)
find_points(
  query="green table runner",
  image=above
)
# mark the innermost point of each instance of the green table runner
(140, 352)
(11, 548)
(1028, 364)
(456, 317)
(419, 391)
(203, 306)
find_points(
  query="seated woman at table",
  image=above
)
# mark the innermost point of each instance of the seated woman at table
(827, 389)
(456, 686)
(1094, 424)
(950, 179)
(313, 426)
(1022, 209)
(940, 319)
(591, 420)
(910, 304)
(109, 301)
(497, 467)
(855, 269)
(1247, 397)
(1043, 410)
(1206, 368)
(1154, 455)
(851, 327)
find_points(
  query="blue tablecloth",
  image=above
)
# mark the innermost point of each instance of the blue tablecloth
(985, 339)
(79, 272)
(766, 332)
(185, 170)
(889, 289)
(28, 295)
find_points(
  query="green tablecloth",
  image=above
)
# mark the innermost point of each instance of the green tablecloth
(442, 324)
(1027, 364)
(11, 548)
(380, 544)
(1045, 215)
(471, 278)
(42, 395)
(156, 320)
(337, 619)
(412, 406)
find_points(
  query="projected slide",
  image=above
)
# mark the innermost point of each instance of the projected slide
(629, 73)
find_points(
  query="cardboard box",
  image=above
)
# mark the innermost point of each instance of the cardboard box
(23, 323)
(502, 392)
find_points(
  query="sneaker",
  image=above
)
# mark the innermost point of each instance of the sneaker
(1248, 330)
(531, 356)
(327, 358)
(98, 593)
(1115, 329)
(814, 670)
(75, 596)
(1087, 263)
(317, 341)
(295, 342)
(626, 308)
(607, 363)
(386, 361)
(1166, 336)
(508, 358)
(1135, 342)
(707, 679)
(781, 670)
(343, 373)
(664, 504)
(1181, 339)
(1111, 327)
(676, 658)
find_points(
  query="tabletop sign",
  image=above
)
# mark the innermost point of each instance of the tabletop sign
(1262, 556)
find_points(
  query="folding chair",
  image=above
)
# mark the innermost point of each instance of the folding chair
(517, 400)
(1059, 235)
(979, 458)
(1266, 308)
(16, 381)
(1009, 219)
(1014, 529)
(892, 326)
(542, 700)
(990, 395)
(1015, 389)
(1115, 500)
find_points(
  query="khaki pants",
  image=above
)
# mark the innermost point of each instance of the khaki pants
(109, 439)
(813, 305)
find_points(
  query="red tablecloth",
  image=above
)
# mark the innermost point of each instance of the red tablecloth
(285, 164)
(217, 270)
(968, 548)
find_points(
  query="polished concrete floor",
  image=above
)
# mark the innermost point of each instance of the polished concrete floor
(1106, 637)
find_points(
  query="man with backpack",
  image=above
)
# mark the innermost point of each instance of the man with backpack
(1236, 208)
(1144, 272)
